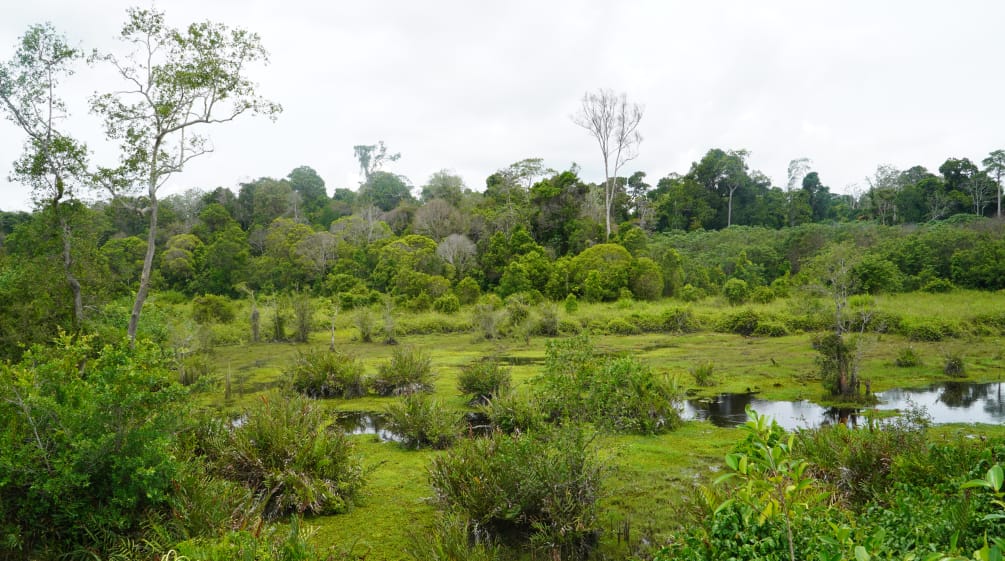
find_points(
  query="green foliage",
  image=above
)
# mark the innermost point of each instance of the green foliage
(483, 380)
(269, 544)
(645, 278)
(954, 366)
(510, 411)
(571, 304)
(704, 373)
(87, 446)
(689, 293)
(619, 326)
(288, 453)
(487, 319)
(836, 361)
(542, 484)
(907, 358)
(408, 371)
(547, 320)
(317, 373)
(743, 322)
(363, 320)
(736, 291)
(927, 330)
(601, 271)
(762, 295)
(770, 328)
(447, 304)
(467, 291)
(451, 540)
(422, 422)
(618, 394)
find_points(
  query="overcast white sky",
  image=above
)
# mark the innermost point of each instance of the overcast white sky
(473, 86)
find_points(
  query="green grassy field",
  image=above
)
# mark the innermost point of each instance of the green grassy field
(649, 481)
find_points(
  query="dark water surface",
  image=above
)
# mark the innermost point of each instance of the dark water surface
(947, 402)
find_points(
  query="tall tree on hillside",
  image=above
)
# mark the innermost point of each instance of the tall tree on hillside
(372, 157)
(177, 80)
(53, 164)
(795, 198)
(614, 123)
(994, 166)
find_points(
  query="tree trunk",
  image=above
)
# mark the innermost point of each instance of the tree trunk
(148, 263)
(78, 301)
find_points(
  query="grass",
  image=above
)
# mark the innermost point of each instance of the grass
(648, 480)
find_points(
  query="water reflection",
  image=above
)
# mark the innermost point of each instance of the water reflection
(948, 402)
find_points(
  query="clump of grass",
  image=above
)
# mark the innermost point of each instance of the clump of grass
(451, 540)
(363, 321)
(704, 373)
(422, 422)
(907, 358)
(510, 411)
(483, 379)
(328, 374)
(544, 485)
(954, 366)
(408, 371)
(287, 454)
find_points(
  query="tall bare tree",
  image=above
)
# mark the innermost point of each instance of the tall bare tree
(53, 164)
(614, 123)
(177, 80)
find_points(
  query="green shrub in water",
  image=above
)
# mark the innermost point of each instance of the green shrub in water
(317, 373)
(483, 379)
(422, 422)
(408, 371)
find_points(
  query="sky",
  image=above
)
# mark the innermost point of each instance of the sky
(473, 86)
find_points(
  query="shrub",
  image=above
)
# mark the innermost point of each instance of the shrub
(318, 373)
(483, 379)
(451, 540)
(924, 330)
(547, 321)
(762, 295)
(571, 304)
(954, 366)
(743, 323)
(509, 411)
(704, 373)
(569, 327)
(286, 452)
(422, 422)
(363, 320)
(619, 326)
(408, 371)
(645, 279)
(303, 313)
(736, 291)
(771, 328)
(487, 319)
(545, 485)
(210, 308)
(467, 291)
(678, 320)
(938, 286)
(447, 304)
(907, 357)
(689, 293)
(420, 303)
(625, 396)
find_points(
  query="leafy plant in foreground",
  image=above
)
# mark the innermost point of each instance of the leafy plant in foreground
(408, 371)
(483, 379)
(318, 373)
(422, 422)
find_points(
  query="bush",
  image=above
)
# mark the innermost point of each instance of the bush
(954, 366)
(363, 320)
(571, 304)
(736, 291)
(938, 286)
(422, 422)
(210, 308)
(467, 291)
(678, 320)
(907, 358)
(483, 379)
(704, 373)
(318, 373)
(689, 293)
(408, 371)
(770, 328)
(509, 412)
(743, 323)
(487, 319)
(286, 452)
(619, 326)
(924, 330)
(762, 295)
(447, 304)
(547, 321)
(545, 485)
(451, 540)
(86, 449)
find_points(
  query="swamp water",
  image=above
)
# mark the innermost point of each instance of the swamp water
(948, 402)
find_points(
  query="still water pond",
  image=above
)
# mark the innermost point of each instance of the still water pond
(948, 402)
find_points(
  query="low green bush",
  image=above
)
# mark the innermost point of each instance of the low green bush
(544, 485)
(483, 379)
(451, 540)
(736, 291)
(569, 327)
(907, 358)
(689, 293)
(762, 295)
(467, 291)
(954, 366)
(408, 371)
(317, 373)
(287, 452)
(926, 330)
(938, 286)
(427, 324)
(743, 322)
(510, 411)
(422, 422)
(678, 320)
(620, 326)
(571, 304)
(704, 373)
(210, 308)
(770, 328)
(447, 304)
